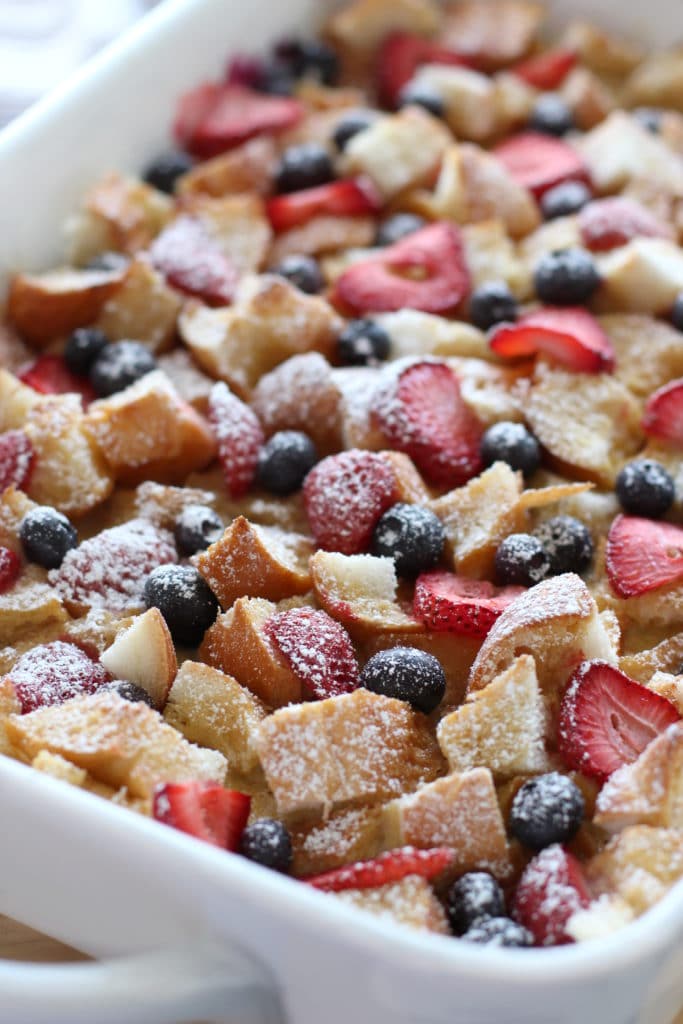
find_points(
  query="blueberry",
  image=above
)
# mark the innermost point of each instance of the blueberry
(649, 118)
(184, 599)
(83, 348)
(511, 443)
(163, 173)
(129, 691)
(352, 123)
(565, 199)
(311, 57)
(393, 229)
(420, 96)
(119, 365)
(303, 272)
(406, 673)
(412, 535)
(267, 842)
(522, 560)
(108, 261)
(568, 542)
(276, 79)
(284, 461)
(567, 277)
(499, 931)
(474, 896)
(363, 343)
(677, 313)
(547, 809)
(491, 304)
(196, 528)
(46, 535)
(645, 488)
(303, 166)
(551, 115)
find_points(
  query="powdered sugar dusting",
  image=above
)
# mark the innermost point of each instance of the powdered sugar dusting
(55, 672)
(16, 459)
(239, 436)
(318, 649)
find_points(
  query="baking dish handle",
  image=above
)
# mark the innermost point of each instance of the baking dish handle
(162, 987)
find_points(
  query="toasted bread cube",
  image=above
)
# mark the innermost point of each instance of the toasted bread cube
(561, 233)
(14, 505)
(144, 308)
(644, 276)
(144, 654)
(491, 193)
(43, 307)
(358, 386)
(657, 81)
(354, 749)
(410, 902)
(361, 26)
(192, 385)
(640, 865)
(300, 394)
(28, 607)
(602, 917)
(349, 835)
(490, 390)
(491, 256)
(599, 50)
(620, 149)
(59, 768)
(669, 686)
(247, 168)
(121, 213)
(16, 401)
(410, 487)
(238, 224)
(588, 98)
(415, 333)
(496, 34)
(665, 352)
(649, 790)
(14, 353)
(322, 234)
(164, 504)
(469, 98)
(9, 705)
(97, 630)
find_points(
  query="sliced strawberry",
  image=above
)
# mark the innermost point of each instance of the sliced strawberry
(551, 889)
(456, 604)
(399, 57)
(245, 70)
(345, 495)
(10, 568)
(539, 162)
(318, 649)
(607, 719)
(424, 415)
(204, 810)
(193, 262)
(569, 334)
(55, 672)
(239, 437)
(546, 70)
(352, 197)
(215, 117)
(16, 459)
(51, 376)
(663, 416)
(388, 867)
(643, 555)
(426, 271)
(607, 223)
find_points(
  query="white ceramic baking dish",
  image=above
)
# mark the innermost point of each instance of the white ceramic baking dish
(203, 933)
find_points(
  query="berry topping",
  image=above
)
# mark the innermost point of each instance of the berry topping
(423, 414)
(499, 931)
(51, 376)
(385, 869)
(119, 365)
(547, 809)
(645, 488)
(10, 569)
(82, 349)
(420, 96)
(55, 672)
(398, 226)
(129, 691)
(546, 70)
(276, 79)
(406, 673)
(163, 173)
(363, 343)
(204, 810)
(677, 313)
(539, 162)
(16, 459)
(567, 277)
(284, 461)
(551, 889)
(318, 649)
(522, 560)
(551, 115)
(347, 198)
(568, 542)
(345, 495)
(663, 416)
(412, 535)
(185, 600)
(46, 535)
(239, 437)
(196, 528)
(303, 166)
(266, 841)
(352, 123)
(571, 336)
(511, 443)
(492, 303)
(474, 896)
(455, 604)
(565, 199)
(310, 58)
(303, 272)
(607, 223)
(194, 262)
(643, 555)
(607, 720)
(400, 55)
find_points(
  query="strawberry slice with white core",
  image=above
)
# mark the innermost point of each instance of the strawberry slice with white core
(55, 672)
(663, 416)
(552, 888)
(50, 375)
(425, 271)
(399, 57)
(10, 569)
(569, 334)
(193, 262)
(643, 555)
(385, 869)
(423, 414)
(16, 459)
(539, 162)
(547, 70)
(318, 649)
(607, 720)
(351, 197)
(204, 810)
(449, 603)
(607, 223)
(239, 436)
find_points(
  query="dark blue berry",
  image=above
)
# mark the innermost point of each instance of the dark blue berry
(473, 897)
(677, 313)
(499, 931)
(568, 542)
(521, 560)
(547, 809)
(83, 347)
(551, 115)
(266, 841)
(511, 443)
(184, 599)
(311, 57)
(196, 528)
(565, 199)
(276, 79)
(491, 304)
(119, 365)
(645, 488)
(109, 261)
(406, 673)
(163, 173)
(352, 123)
(363, 343)
(393, 229)
(649, 118)
(420, 96)
(412, 535)
(284, 460)
(303, 272)
(129, 691)
(46, 535)
(303, 166)
(566, 278)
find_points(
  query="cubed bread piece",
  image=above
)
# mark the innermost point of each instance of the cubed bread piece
(410, 902)
(29, 607)
(358, 386)
(247, 168)
(491, 193)
(628, 332)
(300, 394)
(602, 917)
(620, 149)
(501, 727)
(143, 654)
(322, 234)
(14, 353)
(144, 308)
(668, 686)
(600, 50)
(118, 742)
(14, 505)
(354, 749)
(97, 630)
(494, 34)
(488, 389)
(238, 224)
(46, 306)
(359, 27)
(9, 705)
(354, 833)
(640, 865)
(491, 256)
(644, 276)
(16, 400)
(163, 504)
(59, 768)
(193, 386)
(657, 81)
(560, 233)
(469, 99)
(414, 333)
(588, 98)
(120, 213)
(410, 487)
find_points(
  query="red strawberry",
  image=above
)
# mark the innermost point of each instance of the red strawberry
(51, 376)
(663, 416)
(455, 604)
(318, 649)
(546, 70)
(607, 719)
(55, 672)
(193, 262)
(16, 459)
(239, 437)
(214, 117)
(204, 810)
(607, 223)
(388, 867)
(399, 57)
(245, 70)
(426, 270)
(423, 414)
(10, 568)
(347, 198)
(551, 889)
(569, 334)
(538, 162)
(643, 555)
